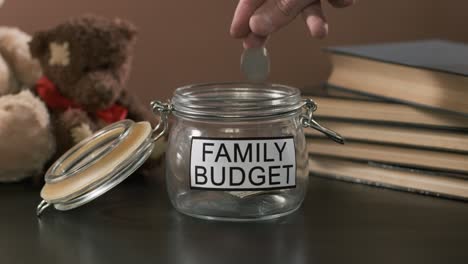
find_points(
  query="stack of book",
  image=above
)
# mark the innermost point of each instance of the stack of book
(403, 110)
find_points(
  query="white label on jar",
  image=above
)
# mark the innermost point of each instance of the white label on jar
(242, 163)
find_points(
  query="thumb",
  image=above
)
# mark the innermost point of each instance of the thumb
(274, 14)
(254, 41)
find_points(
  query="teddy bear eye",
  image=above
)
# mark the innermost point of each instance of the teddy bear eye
(104, 66)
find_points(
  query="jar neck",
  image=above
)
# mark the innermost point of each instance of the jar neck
(236, 101)
(230, 119)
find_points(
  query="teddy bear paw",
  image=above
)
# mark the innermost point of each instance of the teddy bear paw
(26, 141)
(81, 132)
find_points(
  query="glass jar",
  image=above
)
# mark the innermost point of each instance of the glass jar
(237, 151)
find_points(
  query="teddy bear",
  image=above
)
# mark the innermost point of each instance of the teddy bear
(86, 63)
(26, 140)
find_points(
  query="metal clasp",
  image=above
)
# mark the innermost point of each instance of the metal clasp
(163, 109)
(307, 120)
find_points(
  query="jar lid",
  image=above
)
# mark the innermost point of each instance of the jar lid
(96, 165)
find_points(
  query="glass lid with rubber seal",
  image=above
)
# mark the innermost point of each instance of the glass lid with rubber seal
(97, 164)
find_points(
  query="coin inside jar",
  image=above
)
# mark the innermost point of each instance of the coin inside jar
(255, 64)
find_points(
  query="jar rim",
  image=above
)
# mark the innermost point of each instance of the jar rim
(236, 100)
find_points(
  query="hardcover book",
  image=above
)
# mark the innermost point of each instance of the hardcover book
(431, 73)
(381, 175)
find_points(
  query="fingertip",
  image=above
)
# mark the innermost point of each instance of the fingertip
(233, 33)
(261, 25)
(315, 20)
(322, 32)
(238, 32)
(240, 21)
(247, 45)
(317, 27)
(254, 41)
(251, 45)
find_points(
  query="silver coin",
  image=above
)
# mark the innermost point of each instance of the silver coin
(255, 64)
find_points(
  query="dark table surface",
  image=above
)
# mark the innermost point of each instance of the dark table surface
(135, 223)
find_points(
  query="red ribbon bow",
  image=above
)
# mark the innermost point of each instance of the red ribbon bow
(54, 100)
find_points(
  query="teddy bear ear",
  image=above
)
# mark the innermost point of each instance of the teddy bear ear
(38, 44)
(126, 28)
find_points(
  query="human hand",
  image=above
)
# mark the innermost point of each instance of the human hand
(255, 20)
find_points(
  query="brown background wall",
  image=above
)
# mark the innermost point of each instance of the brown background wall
(184, 42)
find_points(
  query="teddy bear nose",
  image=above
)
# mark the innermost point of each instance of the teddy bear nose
(102, 92)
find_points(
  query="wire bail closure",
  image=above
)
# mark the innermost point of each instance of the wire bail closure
(163, 109)
(41, 207)
(307, 120)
